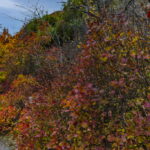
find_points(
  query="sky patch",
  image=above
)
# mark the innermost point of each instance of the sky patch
(8, 4)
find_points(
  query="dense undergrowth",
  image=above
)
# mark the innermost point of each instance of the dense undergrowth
(98, 100)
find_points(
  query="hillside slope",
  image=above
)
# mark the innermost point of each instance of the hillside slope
(76, 80)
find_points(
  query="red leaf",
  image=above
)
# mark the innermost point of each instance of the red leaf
(148, 14)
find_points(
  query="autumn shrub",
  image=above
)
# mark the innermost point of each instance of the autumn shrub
(34, 127)
(99, 100)
(107, 106)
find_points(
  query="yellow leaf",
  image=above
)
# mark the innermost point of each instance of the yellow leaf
(104, 59)
(135, 39)
(84, 125)
(108, 48)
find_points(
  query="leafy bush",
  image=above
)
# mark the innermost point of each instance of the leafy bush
(3, 76)
(100, 100)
